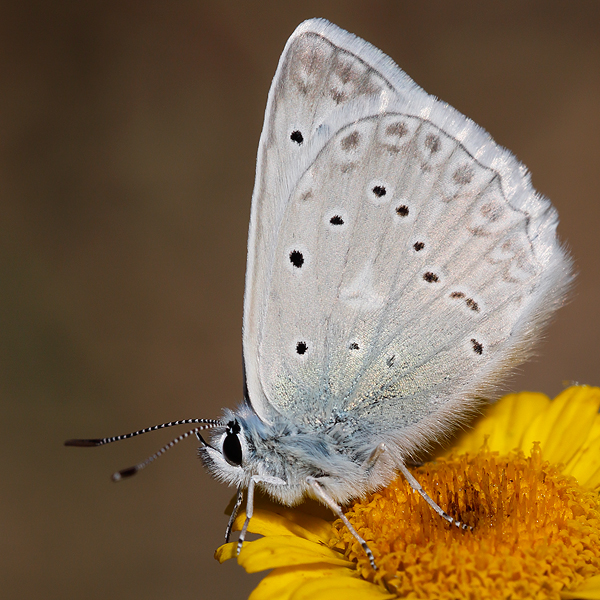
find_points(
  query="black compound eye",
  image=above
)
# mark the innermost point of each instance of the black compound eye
(232, 448)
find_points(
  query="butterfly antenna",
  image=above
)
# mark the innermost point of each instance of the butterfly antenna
(133, 470)
(101, 441)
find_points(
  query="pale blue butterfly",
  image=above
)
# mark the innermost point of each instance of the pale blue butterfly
(399, 261)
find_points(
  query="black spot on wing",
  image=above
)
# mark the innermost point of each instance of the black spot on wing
(296, 258)
(296, 136)
(477, 347)
(379, 191)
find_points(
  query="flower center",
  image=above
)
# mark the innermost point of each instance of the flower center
(535, 530)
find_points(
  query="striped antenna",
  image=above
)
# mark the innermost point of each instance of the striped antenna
(133, 470)
(101, 441)
(206, 424)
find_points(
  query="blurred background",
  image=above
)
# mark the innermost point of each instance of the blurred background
(128, 136)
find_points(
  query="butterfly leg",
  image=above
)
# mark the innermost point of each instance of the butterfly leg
(337, 510)
(249, 513)
(372, 460)
(416, 486)
(250, 504)
(234, 512)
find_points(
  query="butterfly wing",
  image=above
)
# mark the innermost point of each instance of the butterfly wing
(399, 260)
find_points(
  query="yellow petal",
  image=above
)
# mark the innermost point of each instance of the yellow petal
(585, 467)
(282, 584)
(504, 424)
(594, 431)
(284, 551)
(340, 588)
(226, 552)
(586, 461)
(565, 425)
(321, 527)
(268, 522)
(588, 590)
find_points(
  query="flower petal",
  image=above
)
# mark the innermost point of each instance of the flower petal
(319, 527)
(587, 468)
(585, 463)
(504, 424)
(226, 552)
(284, 551)
(284, 582)
(588, 590)
(565, 425)
(282, 521)
(334, 587)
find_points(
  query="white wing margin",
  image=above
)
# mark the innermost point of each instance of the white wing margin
(398, 259)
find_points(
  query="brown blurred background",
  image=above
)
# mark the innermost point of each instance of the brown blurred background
(128, 135)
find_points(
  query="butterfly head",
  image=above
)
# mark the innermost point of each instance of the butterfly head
(225, 456)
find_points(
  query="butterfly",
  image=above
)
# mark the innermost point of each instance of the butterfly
(399, 263)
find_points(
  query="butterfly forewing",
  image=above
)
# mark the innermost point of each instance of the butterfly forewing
(315, 77)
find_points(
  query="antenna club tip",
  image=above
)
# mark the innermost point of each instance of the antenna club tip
(83, 443)
(124, 473)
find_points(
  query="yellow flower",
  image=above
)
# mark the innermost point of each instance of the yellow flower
(526, 478)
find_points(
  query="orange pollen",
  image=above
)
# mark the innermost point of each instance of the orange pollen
(535, 531)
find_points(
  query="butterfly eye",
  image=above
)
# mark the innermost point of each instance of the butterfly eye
(232, 448)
